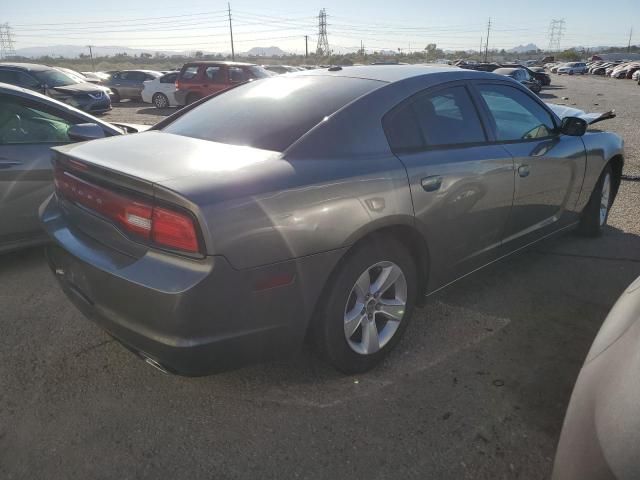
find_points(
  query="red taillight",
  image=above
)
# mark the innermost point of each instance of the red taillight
(173, 229)
(156, 225)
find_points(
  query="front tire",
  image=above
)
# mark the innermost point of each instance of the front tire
(368, 305)
(596, 213)
(115, 97)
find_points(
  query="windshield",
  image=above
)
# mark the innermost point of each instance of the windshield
(271, 113)
(54, 78)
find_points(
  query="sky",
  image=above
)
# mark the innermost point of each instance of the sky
(189, 25)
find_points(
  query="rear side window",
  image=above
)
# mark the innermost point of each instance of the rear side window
(189, 73)
(271, 113)
(169, 78)
(517, 116)
(442, 118)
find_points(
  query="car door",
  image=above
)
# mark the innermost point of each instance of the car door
(549, 166)
(28, 130)
(126, 84)
(461, 184)
(216, 79)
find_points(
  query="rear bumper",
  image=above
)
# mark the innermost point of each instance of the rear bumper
(181, 97)
(193, 317)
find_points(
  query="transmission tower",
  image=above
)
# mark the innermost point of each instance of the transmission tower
(556, 30)
(6, 42)
(323, 41)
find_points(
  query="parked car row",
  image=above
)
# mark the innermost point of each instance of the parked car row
(533, 78)
(613, 69)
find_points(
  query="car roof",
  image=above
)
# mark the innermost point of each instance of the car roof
(26, 66)
(221, 62)
(395, 73)
(507, 69)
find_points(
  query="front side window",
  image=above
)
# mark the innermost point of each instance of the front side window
(236, 75)
(215, 74)
(442, 118)
(517, 116)
(24, 123)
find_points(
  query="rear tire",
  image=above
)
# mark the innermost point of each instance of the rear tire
(115, 97)
(596, 213)
(363, 313)
(160, 100)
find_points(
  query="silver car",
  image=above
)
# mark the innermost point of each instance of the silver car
(323, 204)
(30, 124)
(129, 83)
(601, 432)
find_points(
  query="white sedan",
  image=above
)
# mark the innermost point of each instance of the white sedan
(572, 68)
(161, 91)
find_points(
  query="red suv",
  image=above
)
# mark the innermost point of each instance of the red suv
(199, 79)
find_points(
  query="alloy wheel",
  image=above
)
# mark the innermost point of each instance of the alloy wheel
(375, 307)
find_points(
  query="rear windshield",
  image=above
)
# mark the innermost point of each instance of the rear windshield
(272, 113)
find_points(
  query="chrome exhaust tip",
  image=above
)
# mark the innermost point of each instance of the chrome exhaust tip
(155, 364)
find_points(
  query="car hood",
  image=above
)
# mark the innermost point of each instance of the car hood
(563, 111)
(78, 88)
(158, 157)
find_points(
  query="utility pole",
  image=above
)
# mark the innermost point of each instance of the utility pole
(486, 48)
(629, 44)
(93, 67)
(306, 46)
(556, 29)
(361, 48)
(233, 52)
(480, 49)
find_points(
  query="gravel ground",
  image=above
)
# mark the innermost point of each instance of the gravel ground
(476, 390)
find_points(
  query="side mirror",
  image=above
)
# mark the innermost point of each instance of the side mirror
(85, 131)
(573, 126)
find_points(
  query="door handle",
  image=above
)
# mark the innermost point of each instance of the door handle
(431, 184)
(524, 171)
(8, 163)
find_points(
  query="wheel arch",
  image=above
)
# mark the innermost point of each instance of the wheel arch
(617, 164)
(405, 233)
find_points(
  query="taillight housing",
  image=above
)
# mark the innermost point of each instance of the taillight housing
(141, 219)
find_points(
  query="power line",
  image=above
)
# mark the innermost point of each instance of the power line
(121, 20)
(323, 41)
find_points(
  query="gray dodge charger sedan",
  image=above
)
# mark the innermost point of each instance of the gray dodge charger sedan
(324, 205)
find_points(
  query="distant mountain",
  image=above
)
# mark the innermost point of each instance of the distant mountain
(266, 52)
(73, 51)
(530, 47)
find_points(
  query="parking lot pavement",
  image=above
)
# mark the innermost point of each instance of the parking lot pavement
(477, 388)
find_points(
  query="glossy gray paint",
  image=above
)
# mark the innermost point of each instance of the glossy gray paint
(25, 174)
(601, 430)
(334, 186)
